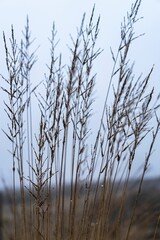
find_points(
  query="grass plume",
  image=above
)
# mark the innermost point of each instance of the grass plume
(83, 206)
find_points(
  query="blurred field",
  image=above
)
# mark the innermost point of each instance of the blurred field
(145, 221)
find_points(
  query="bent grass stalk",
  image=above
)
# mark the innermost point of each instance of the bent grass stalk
(81, 207)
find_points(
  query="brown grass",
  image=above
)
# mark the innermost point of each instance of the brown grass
(53, 209)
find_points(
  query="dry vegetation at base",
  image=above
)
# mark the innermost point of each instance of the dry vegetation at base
(91, 204)
(146, 214)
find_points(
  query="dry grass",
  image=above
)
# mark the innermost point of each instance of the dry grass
(53, 209)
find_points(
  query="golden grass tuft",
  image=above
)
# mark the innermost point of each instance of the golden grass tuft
(88, 205)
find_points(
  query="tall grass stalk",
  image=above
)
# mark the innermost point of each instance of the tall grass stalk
(54, 206)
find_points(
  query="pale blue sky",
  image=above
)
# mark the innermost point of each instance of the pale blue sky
(67, 15)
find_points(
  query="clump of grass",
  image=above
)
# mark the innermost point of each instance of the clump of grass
(51, 205)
